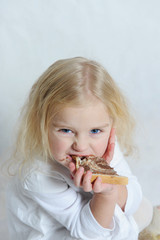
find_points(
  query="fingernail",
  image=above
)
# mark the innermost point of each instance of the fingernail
(88, 173)
(99, 179)
(81, 169)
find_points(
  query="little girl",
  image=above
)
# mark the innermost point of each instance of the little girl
(75, 108)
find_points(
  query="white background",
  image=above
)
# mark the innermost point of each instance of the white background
(123, 35)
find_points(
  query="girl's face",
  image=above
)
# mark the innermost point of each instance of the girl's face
(80, 131)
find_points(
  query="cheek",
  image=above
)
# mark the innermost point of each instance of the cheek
(101, 146)
(57, 145)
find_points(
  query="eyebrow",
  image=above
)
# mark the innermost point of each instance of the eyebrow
(102, 126)
(67, 126)
(63, 124)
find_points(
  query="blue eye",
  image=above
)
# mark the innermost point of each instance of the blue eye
(65, 130)
(95, 131)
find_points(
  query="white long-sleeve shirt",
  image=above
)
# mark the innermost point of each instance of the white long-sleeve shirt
(44, 204)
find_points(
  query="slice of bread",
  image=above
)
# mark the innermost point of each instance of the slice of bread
(99, 168)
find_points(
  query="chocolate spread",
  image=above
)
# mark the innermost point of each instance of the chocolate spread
(95, 164)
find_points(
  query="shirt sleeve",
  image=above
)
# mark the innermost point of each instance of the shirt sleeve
(63, 203)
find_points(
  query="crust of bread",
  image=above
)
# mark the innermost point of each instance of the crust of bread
(111, 179)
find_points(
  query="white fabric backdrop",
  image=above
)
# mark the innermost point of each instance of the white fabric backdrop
(123, 35)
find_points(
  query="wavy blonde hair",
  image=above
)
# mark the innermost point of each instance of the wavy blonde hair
(65, 83)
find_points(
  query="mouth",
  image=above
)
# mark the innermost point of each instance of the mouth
(72, 158)
(69, 157)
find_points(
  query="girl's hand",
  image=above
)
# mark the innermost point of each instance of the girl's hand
(80, 179)
(108, 155)
(84, 181)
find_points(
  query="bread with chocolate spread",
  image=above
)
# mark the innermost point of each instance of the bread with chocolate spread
(99, 167)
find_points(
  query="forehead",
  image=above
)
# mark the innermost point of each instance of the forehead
(92, 113)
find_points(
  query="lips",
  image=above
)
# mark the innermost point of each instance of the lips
(72, 157)
(69, 157)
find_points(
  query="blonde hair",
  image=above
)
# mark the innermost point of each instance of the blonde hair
(65, 83)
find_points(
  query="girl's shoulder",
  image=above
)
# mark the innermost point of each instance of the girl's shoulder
(44, 177)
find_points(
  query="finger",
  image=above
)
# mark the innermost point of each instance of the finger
(78, 177)
(97, 185)
(108, 155)
(112, 135)
(104, 188)
(72, 168)
(87, 186)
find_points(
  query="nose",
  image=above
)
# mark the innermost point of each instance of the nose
(80, 144)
